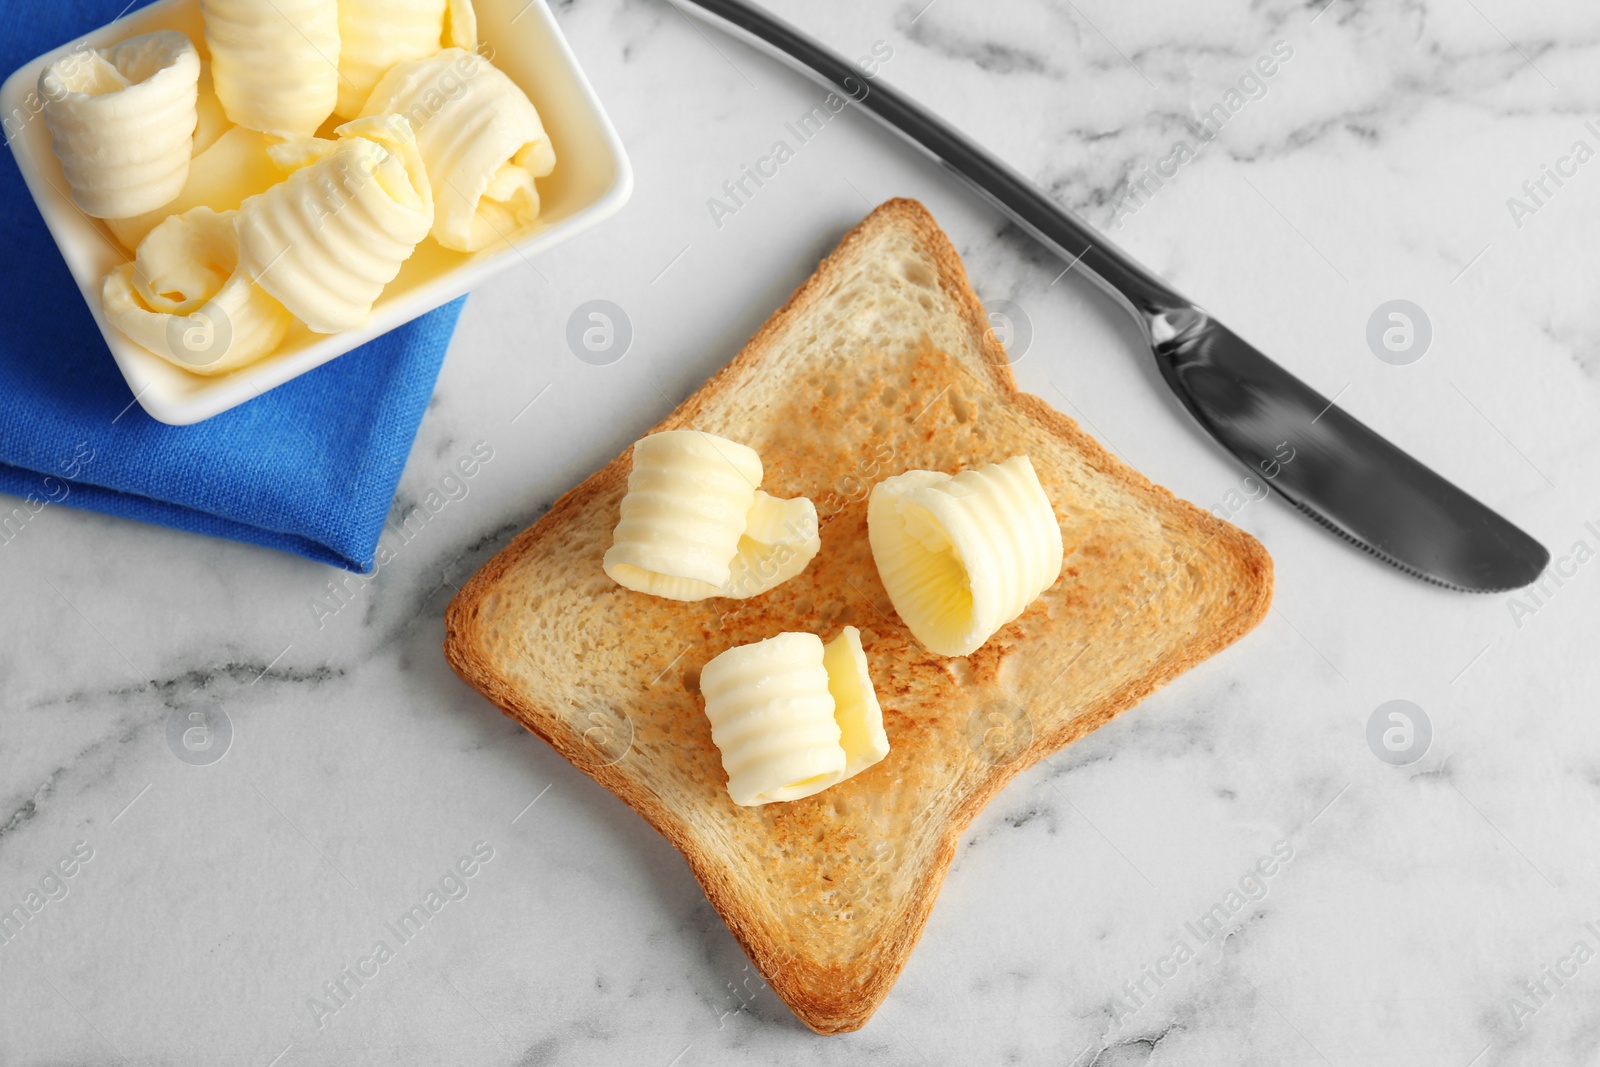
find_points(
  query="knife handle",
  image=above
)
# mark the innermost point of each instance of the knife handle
(1163, 313)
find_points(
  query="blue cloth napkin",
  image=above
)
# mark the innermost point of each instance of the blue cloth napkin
(309, 467)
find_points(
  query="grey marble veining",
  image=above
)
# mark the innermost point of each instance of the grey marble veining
(1227, 875)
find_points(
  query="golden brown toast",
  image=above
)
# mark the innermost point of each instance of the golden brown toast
(883, 361)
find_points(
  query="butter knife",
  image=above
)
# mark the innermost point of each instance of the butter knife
(1343, 475)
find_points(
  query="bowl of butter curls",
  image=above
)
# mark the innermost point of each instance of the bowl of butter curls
(246, 189)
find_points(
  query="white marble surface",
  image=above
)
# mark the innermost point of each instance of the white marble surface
(1419, 899)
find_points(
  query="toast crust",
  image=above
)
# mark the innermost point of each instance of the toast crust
(829, 992)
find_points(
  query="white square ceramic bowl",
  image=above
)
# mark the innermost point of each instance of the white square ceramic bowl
(591, 182)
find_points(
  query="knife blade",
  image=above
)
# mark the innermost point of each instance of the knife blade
(1340, 473)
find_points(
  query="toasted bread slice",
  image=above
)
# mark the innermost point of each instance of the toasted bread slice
(882, 362)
